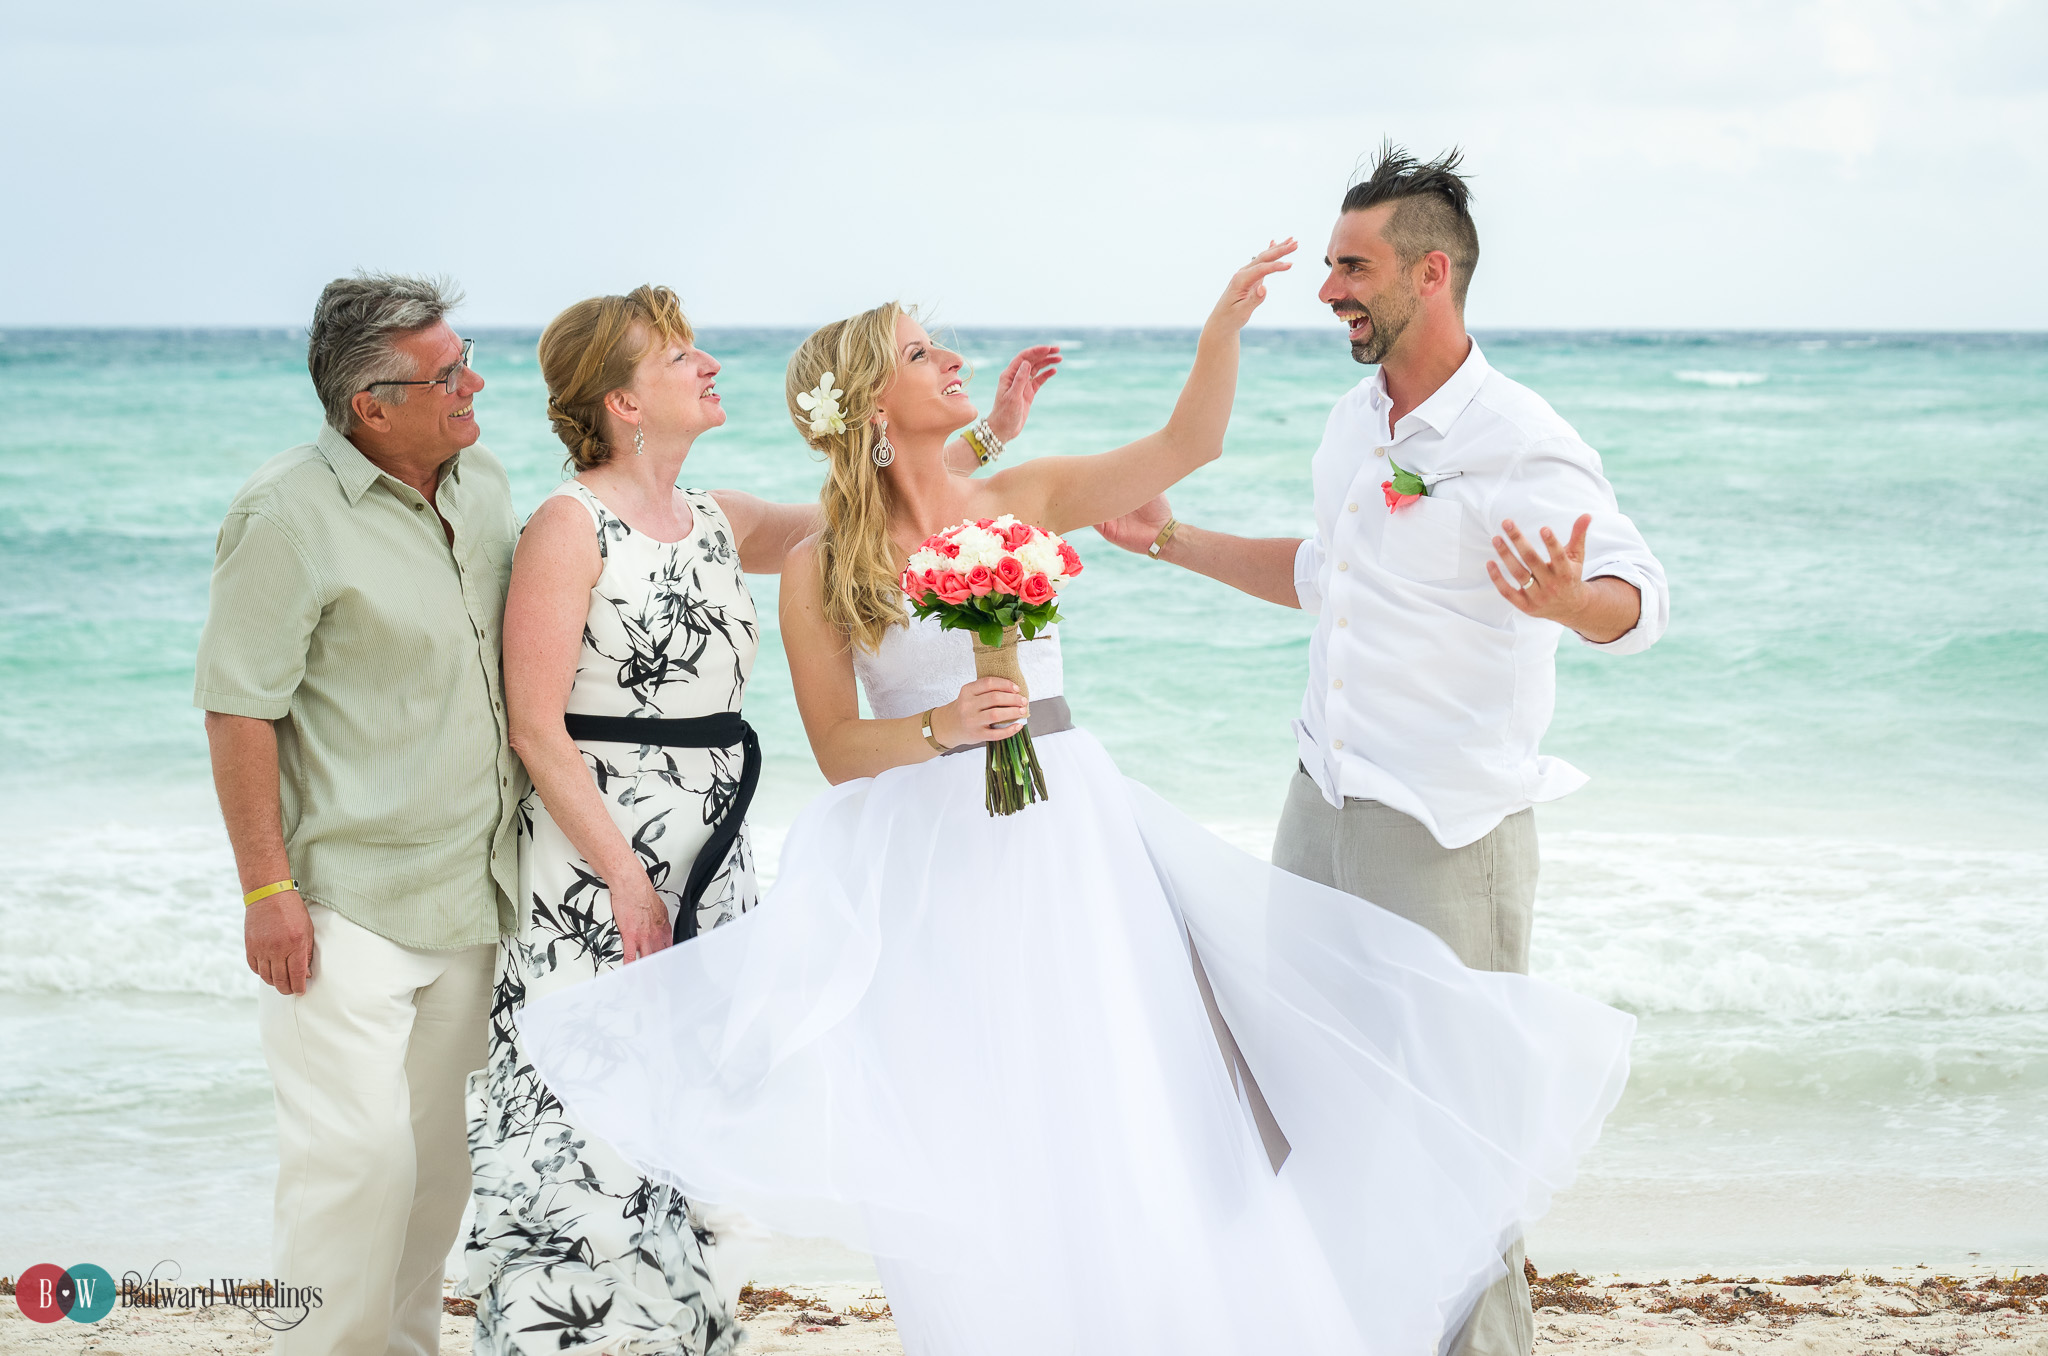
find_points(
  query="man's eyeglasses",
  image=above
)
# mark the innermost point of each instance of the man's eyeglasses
(450, 379)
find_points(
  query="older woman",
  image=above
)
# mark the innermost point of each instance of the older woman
(629, 637)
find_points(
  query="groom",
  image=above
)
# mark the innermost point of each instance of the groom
(1432, 666)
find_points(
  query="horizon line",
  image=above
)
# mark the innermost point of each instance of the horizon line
(247, 327)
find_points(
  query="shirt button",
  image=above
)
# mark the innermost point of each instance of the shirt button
(1336, 743)
(1379, 451)
(1336, 682)
(1343, 621)
(1352, 507)
(419, 508)
(1343, 565)
(504, 781)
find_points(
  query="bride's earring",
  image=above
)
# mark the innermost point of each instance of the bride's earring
(885, 451)
(639, 440)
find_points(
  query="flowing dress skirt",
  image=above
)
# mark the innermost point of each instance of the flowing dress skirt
(976, 1047)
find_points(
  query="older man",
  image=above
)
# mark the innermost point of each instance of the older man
(1432, 667)
(349, 670)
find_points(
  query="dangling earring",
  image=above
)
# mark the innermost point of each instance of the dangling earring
(639, 440)
(885, 451)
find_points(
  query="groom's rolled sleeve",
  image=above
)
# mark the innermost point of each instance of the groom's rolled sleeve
(1308, 574)
(1551, 486)
(262, 606)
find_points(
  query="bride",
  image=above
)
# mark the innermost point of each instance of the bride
(1084, 1078)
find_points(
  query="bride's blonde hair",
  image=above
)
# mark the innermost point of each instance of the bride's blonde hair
(862, 594)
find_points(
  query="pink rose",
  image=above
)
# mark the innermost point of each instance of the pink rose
(1018, 534)
(984, 523)
(952, 588)
(982, 580)
(1395, 500)
(1037, 589)
(1070, 559)
(1009, 574)
(909, 582)
(946, 547)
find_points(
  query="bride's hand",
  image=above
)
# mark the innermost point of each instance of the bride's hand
(1248, 285)
(642, 918)
(1019, 385)
(980, 714)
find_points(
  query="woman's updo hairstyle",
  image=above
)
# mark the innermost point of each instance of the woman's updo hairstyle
(590, 350)
(861, 593)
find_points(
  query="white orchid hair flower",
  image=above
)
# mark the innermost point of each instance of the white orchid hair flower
(822, 404)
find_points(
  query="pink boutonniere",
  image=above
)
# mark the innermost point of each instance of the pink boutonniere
(1404, 489)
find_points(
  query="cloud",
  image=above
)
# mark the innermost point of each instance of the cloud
(1742, 164)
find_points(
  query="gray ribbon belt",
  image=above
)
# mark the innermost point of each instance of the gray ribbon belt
(1049, 715)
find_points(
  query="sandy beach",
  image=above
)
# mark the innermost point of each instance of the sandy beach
(1925, 1311)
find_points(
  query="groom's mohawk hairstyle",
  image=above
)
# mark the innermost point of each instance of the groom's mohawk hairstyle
(1432, 209)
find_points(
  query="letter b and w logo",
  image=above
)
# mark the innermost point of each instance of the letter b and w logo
(46, 1293)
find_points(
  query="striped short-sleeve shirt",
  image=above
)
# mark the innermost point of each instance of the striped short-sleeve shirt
(340, 611)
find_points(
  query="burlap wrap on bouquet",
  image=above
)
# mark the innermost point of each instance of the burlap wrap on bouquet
(1001, 661)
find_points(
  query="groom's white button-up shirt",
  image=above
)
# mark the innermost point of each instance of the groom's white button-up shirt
(1427, 690)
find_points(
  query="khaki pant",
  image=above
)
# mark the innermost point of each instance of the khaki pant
(373, 1157)
(1480, 898)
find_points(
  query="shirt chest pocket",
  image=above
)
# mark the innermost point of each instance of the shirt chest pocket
(1421, 540)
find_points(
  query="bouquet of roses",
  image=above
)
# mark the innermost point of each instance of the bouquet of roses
(997, 578)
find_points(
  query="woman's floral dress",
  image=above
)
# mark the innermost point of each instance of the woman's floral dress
(571, 1248)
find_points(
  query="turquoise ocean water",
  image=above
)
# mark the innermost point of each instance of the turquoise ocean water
(1813, 858)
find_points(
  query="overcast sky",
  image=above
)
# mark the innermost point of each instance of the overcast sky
(1740, 163)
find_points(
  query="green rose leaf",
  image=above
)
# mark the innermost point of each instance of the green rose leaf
(1407, 482)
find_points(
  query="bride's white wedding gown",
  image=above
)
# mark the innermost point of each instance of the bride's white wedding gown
(977, 1048)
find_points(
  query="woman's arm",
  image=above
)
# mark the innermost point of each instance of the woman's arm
(1063, 493)
(553, 571)
(767, 531)
(828, 699)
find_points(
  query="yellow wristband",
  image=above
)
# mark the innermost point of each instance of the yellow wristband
(266, 891)
(1165, 536)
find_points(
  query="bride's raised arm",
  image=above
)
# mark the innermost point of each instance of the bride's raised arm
(1063, 493)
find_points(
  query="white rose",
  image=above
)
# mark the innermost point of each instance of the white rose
(922, 560)
(1039, 557)
(978, 546)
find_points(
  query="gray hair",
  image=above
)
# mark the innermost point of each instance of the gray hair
(350, 344)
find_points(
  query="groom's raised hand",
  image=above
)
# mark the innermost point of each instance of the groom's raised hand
(1138, 529)
(1553, 586)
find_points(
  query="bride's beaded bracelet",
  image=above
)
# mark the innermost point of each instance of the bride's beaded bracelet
(987, 447)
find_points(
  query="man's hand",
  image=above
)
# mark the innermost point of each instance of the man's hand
(277, 937)
(1137, 530)
(1553, 586)
(1019, 385)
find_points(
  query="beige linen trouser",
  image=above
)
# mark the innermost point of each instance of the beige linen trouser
(1480, 898)
(373, 1153)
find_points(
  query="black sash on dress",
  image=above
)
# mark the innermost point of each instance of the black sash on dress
(721, 731)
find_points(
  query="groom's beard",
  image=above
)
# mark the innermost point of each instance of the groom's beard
(1386, 318)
